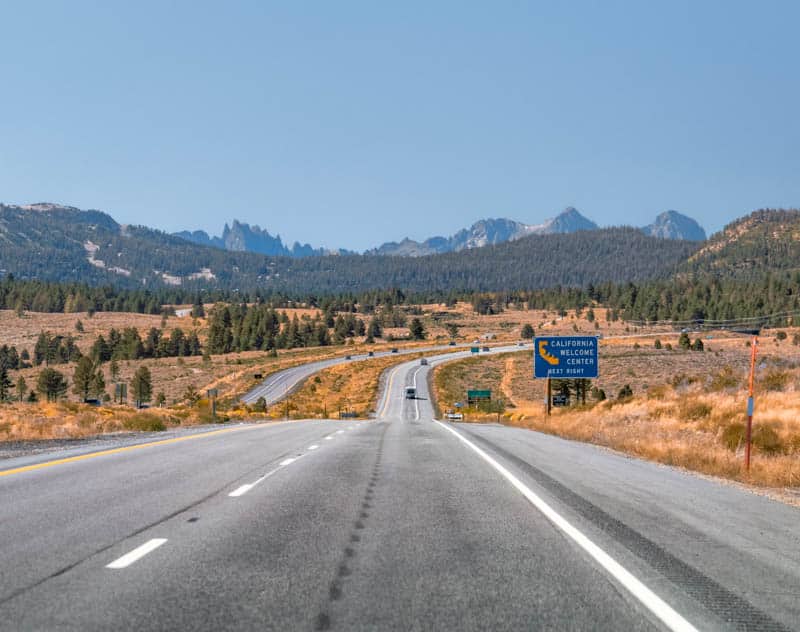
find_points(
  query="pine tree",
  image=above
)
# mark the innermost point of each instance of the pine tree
(141, 386)
(52, 384)
(22, 388)
(113, 370)
(84, 377)
(5, 385)
(417, 329)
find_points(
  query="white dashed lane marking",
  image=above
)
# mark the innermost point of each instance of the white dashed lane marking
(137, 553)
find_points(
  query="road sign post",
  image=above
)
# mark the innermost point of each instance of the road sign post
(564, 357)
(548, 396)
(478, 396)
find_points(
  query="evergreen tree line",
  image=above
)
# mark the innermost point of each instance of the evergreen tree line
(128, 345)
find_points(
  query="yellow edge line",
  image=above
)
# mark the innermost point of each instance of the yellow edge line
(91, 455)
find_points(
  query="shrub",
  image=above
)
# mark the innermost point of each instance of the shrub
(598, 394)
(793, 444)
(144, 422)
(766, 439)
(86, 420)
(781, 335)
(657, 343)
(725, 378)
(733, 436)
(657, 392)
(625, 393)
(679, 379)
(692, 411)
(775, 381)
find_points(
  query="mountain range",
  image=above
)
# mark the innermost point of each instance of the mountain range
(61, 243)
(243, 237)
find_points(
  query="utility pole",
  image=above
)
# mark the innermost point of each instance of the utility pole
(750, 404)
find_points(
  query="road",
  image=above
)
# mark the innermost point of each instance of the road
(279, 384)
(397, 523)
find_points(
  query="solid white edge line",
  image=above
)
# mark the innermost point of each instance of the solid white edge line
(313, 447)
(137, 553)
(286, 462)
(647, 597)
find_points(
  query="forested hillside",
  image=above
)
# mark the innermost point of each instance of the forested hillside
(537, 261)
(765, 240)
(66, 244)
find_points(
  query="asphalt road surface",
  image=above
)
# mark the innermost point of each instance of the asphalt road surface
(397, 523)
(280, 384)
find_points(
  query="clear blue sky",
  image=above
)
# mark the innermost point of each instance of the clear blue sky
(347, 124)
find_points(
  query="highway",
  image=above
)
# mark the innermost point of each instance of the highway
(397, 523)
(281, 383)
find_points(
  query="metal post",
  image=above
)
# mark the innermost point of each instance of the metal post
(548, 396)
(750, 404)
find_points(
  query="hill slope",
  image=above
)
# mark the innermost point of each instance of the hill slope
(60, 243)
(67, 244)
(767, 240)
(536, 261)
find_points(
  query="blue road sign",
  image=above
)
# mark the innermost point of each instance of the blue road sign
(565, 356)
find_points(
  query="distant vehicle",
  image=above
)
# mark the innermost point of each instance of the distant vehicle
(486, 349)
(371, 354)
(520, 344)
(348, 357)
(474, 349)
(424, 362)
(258, 376)
(455, 416)
(394, 349)
(411, 392)
(452, 343)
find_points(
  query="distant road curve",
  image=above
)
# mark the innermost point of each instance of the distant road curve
(280, 384)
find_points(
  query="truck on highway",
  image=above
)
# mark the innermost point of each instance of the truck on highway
(411, 392)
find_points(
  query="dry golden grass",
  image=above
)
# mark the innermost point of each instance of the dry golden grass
(22, 332)
(688, 408)
(233, 374)
(66, 420)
